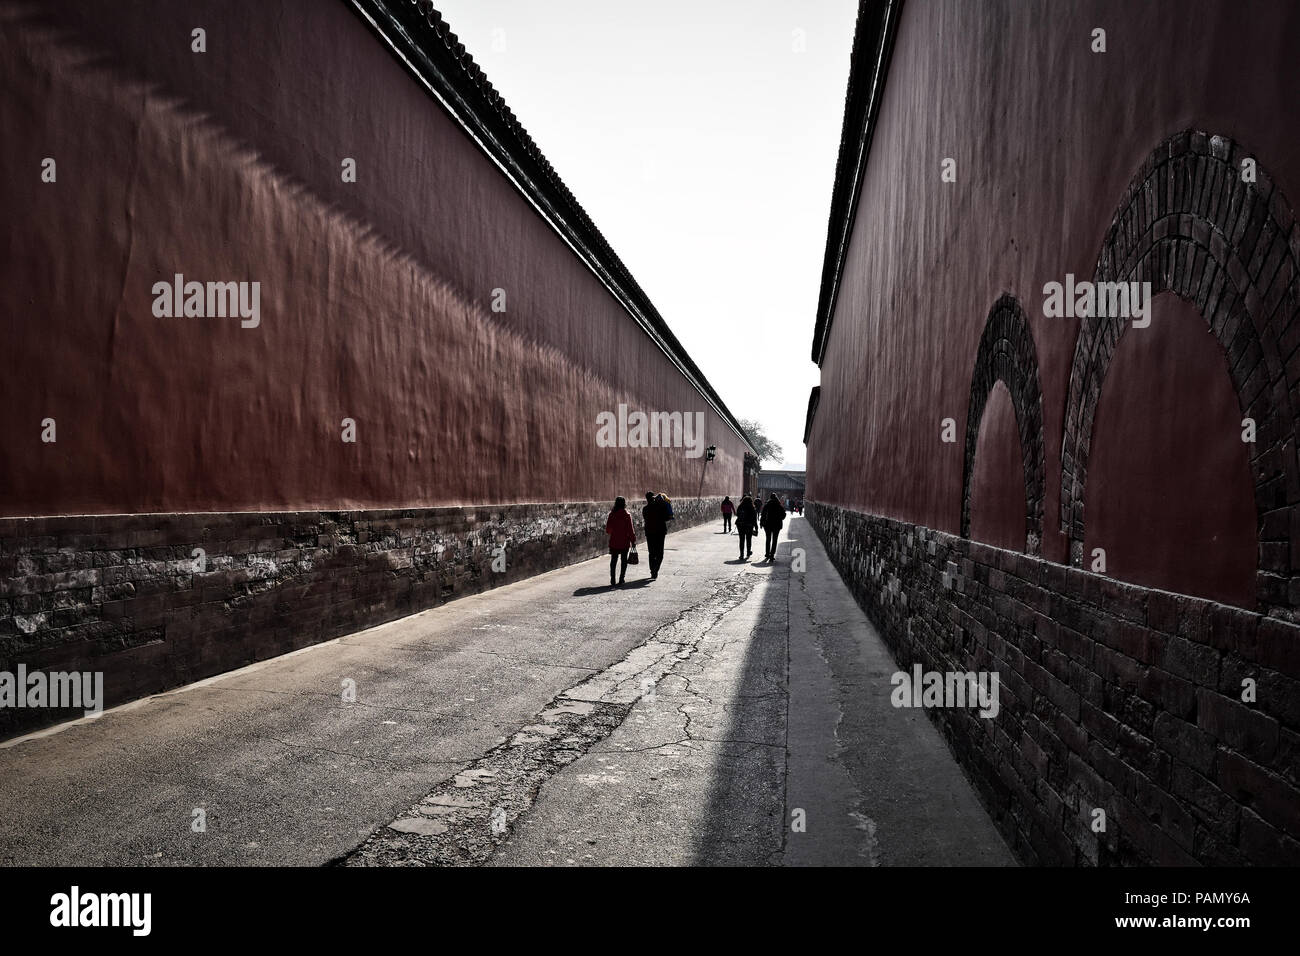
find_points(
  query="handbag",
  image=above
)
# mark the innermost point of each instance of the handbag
(632, 556)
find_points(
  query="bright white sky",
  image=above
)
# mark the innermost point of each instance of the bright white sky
(702, 142)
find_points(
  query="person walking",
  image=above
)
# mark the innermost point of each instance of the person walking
(654, 518)
(728, 509)
(622, 537)
(773, 518)
(746, 526)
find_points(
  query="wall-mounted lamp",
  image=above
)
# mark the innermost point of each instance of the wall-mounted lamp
(710, 452)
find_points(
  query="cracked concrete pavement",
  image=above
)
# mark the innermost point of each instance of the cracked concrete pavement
(782, 714)
(727, 713)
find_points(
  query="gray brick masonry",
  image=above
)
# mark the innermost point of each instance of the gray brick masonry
(125, 594)
(1114, 697)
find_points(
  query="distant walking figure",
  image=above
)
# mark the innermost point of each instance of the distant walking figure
(773, 518)
(746, 526)
(655, 518)
(728, 509)
(622, 536)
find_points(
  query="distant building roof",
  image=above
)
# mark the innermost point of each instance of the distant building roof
(782, 480)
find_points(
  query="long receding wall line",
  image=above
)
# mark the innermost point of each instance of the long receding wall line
(1171, 446)
(417, 368)
(1133, 443)
(1113, 698)
(156, 601)
(423, 337)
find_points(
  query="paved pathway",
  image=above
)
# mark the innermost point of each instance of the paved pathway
(693, 720)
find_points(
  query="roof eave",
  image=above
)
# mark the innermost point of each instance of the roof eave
(873, 44)
(426, 46)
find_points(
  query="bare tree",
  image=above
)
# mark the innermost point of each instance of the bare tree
(767, 449)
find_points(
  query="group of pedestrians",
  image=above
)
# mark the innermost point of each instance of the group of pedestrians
(622, 535)
(748, 517)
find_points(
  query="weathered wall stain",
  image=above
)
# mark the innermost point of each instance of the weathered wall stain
(376, 296)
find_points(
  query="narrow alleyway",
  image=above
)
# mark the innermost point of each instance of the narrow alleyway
(728, 713)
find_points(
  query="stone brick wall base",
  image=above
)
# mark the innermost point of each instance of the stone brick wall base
(128, 595)
(1113, 697)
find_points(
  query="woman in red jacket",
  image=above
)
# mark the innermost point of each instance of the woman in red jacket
(622, 536)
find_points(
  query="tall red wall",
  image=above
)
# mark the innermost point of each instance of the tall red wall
(376, 295)
(1047, 136)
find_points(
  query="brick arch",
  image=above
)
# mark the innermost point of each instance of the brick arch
(1188, 224)
(1006, 353)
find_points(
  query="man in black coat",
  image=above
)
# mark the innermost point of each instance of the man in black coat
(773, 518)
(654, 516)
(746, 525)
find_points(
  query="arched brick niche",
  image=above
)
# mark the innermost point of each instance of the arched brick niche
(1006, 354)
(1189, 224)
(1170, 495)
(997, 491)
